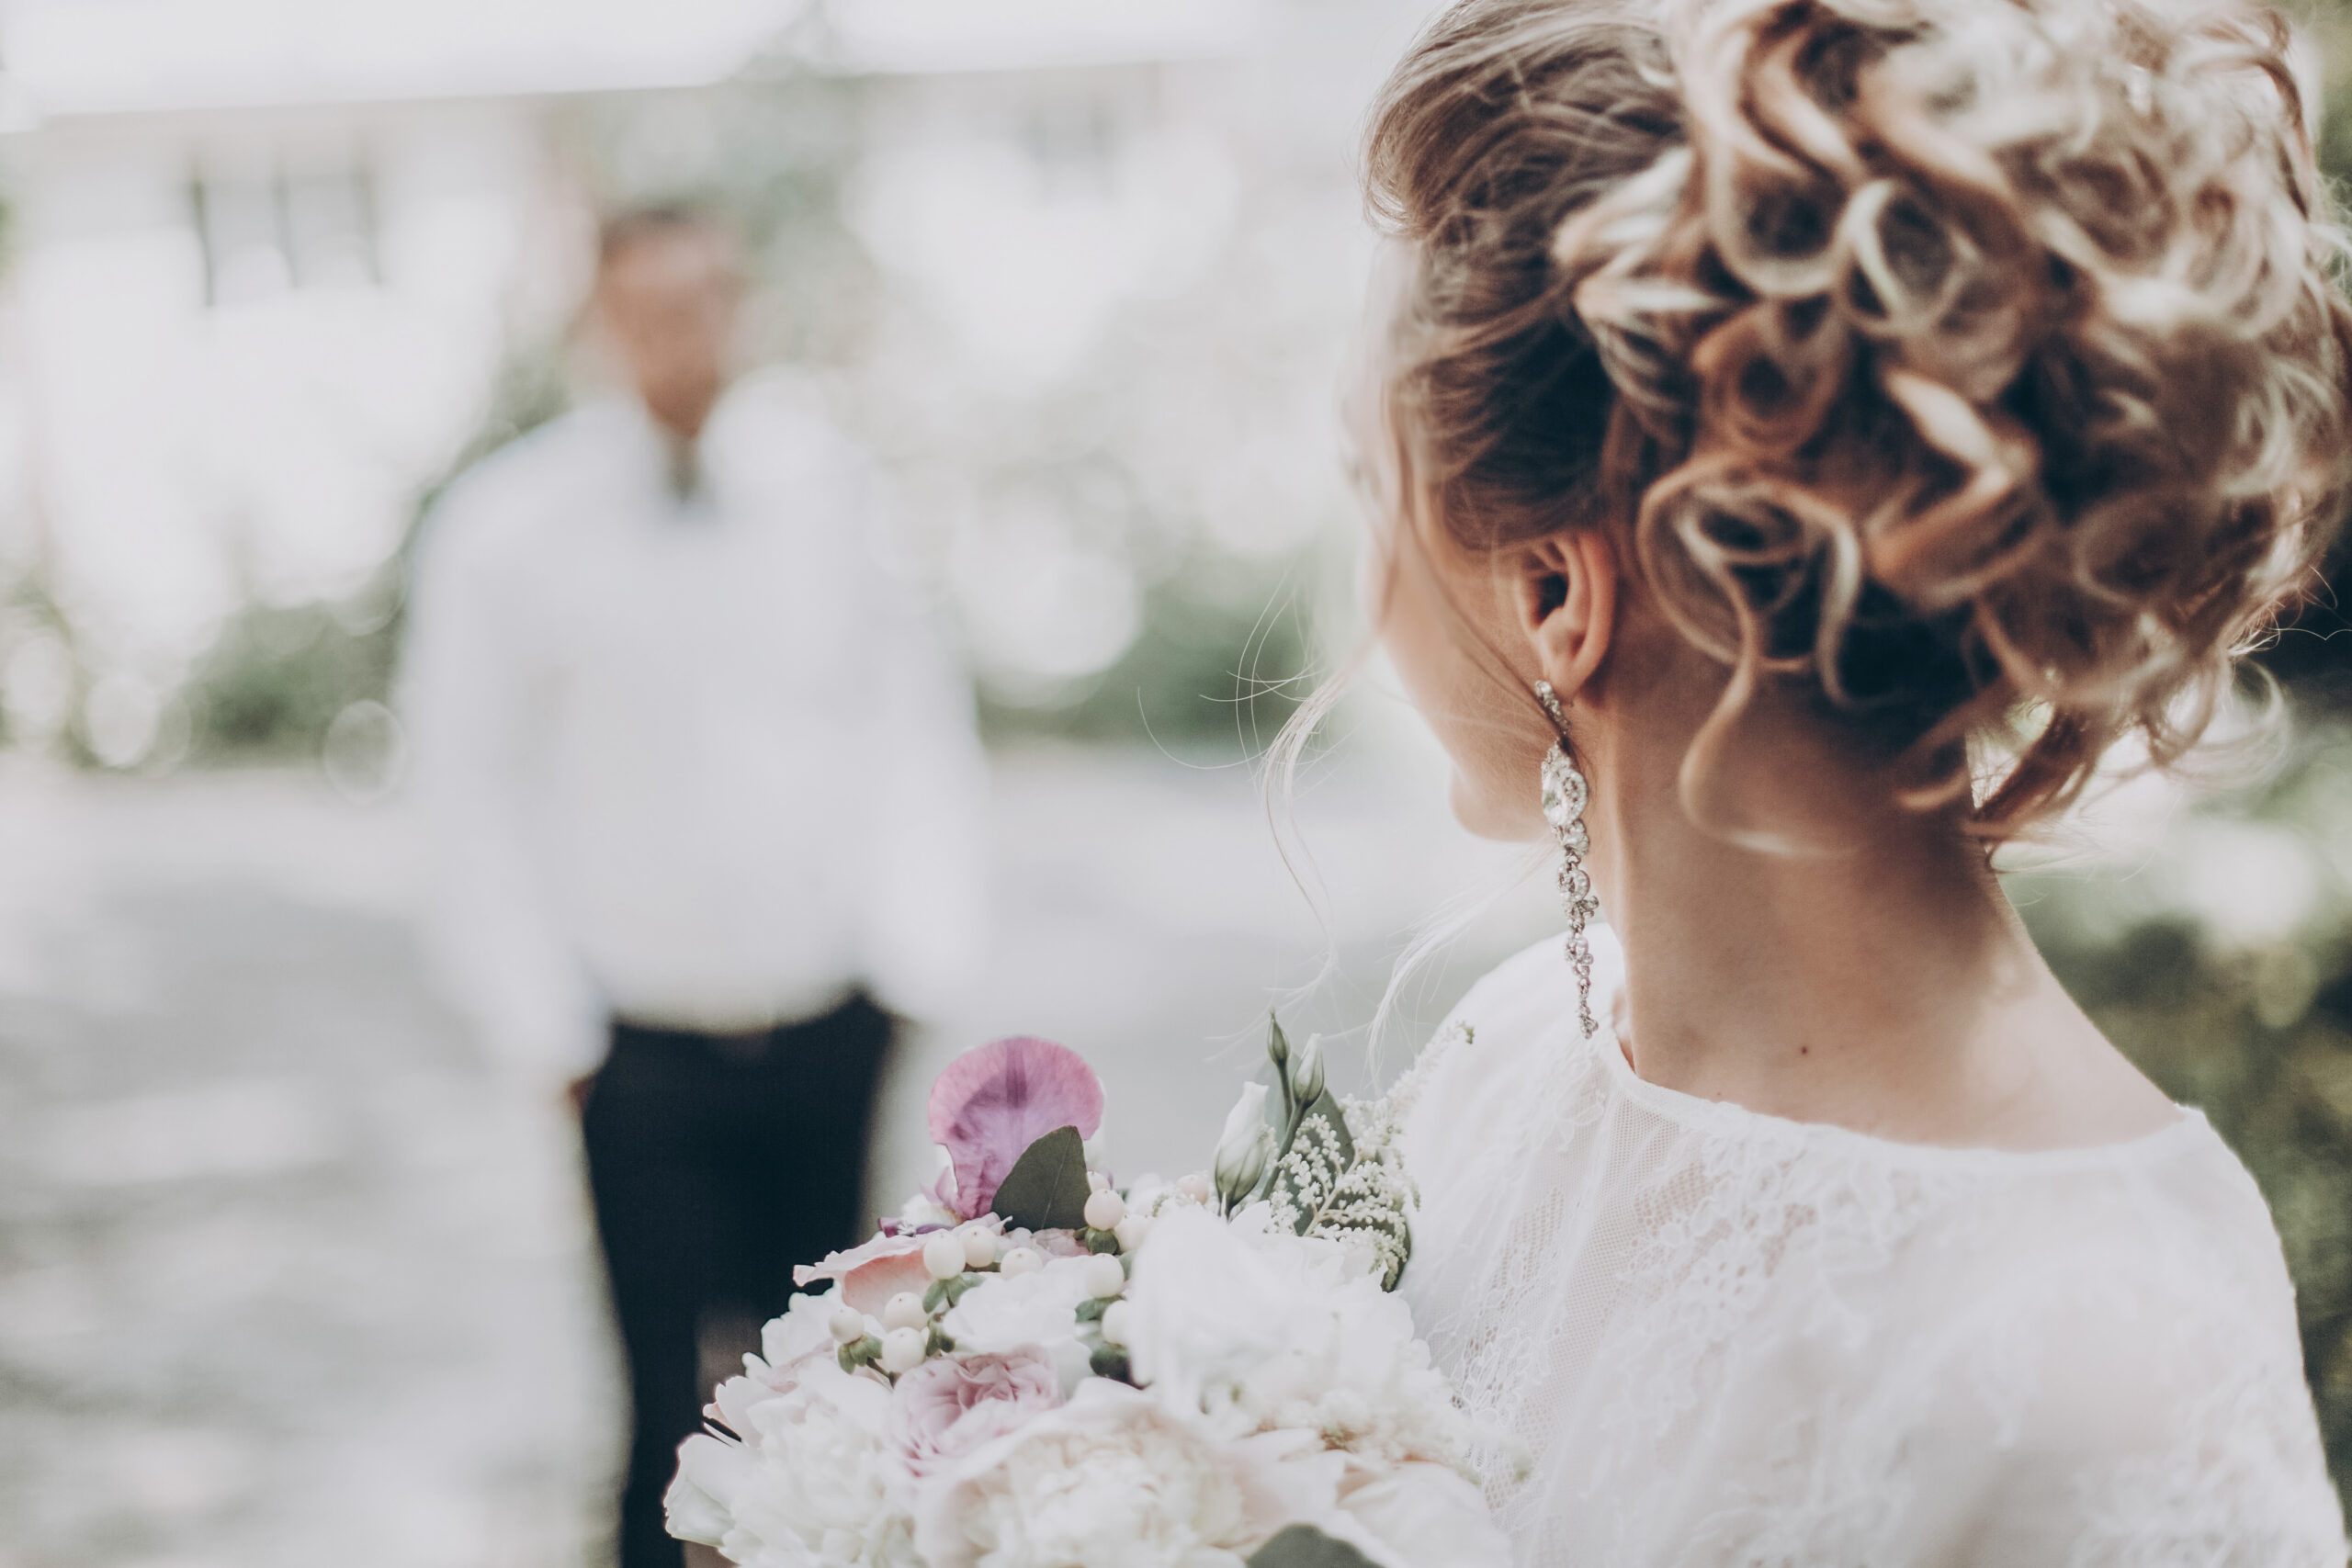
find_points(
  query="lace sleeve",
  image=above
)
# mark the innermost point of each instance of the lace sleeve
(2129, 1423)
(1702, 1337)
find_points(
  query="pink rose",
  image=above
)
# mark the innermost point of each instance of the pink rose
(951, 1404)
(871, 1274)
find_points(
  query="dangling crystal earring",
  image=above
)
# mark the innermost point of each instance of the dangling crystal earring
(1564, 794)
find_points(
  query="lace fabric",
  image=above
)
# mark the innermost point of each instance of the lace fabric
(1700, 1337)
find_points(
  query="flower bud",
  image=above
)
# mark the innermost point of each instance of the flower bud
(1104, 1210)
(942, 1256)
(1277, 1042)
(1020, 1260)
(901, 1350)
(1103, 1275)
(1131, 1232)
(1307, 1072)
(1245, 1147)
(979, 1248)
(904, 1311)
(1116, 1319)
(847, 1326)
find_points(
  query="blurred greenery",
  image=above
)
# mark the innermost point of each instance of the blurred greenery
(276, 676)
(1217, 666)
(2257, 1029)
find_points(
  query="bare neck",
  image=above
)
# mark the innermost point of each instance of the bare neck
(1886, 988)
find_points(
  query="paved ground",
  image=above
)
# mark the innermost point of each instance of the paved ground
(287, 1278)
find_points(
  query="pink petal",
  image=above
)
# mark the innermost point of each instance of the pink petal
(995, 1100)
(872, 1273)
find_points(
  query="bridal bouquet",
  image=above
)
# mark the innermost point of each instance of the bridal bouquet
(1032, 1368)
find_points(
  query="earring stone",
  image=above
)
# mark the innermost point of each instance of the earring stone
(1565, 795)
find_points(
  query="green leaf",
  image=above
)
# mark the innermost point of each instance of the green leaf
(948, 1292)
(1046, 1189)
(1402, 1229)
(1304, 1546)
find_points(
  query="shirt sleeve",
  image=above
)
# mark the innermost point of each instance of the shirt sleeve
(491, 937)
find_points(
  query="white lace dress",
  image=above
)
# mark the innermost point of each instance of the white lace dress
(1716, 1338)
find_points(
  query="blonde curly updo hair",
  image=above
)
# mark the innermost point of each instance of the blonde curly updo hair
(1973, 368)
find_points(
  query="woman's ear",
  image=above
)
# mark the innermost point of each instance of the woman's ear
(1567, 605)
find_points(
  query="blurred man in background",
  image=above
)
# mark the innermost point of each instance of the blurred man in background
(704, 791)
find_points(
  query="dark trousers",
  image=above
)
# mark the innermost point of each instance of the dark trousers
(716, 1162)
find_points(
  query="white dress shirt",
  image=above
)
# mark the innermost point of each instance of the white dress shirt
(692, 760)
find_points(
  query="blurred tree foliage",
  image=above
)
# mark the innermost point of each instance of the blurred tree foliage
(1218, 665)
(2256, 1032)
(277, 675)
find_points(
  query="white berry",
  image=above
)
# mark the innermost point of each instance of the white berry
(1103, 1277)
(942, 1256)
(1114, 1323)
(847, 1325)
(901, 1350)
(1195, 1187)
(1020, 1260)
(1104, 1210)
(905, 1310)
(1131, 1232)
(980, 1249)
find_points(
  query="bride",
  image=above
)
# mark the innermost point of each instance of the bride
(1811, 434)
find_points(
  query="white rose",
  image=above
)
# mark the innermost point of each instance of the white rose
(708, 1470)
(803, 1328)
(1422, 1516)
(1037, 1308)
(1112, 1480)
(1259, 1328)
(813, 1483)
